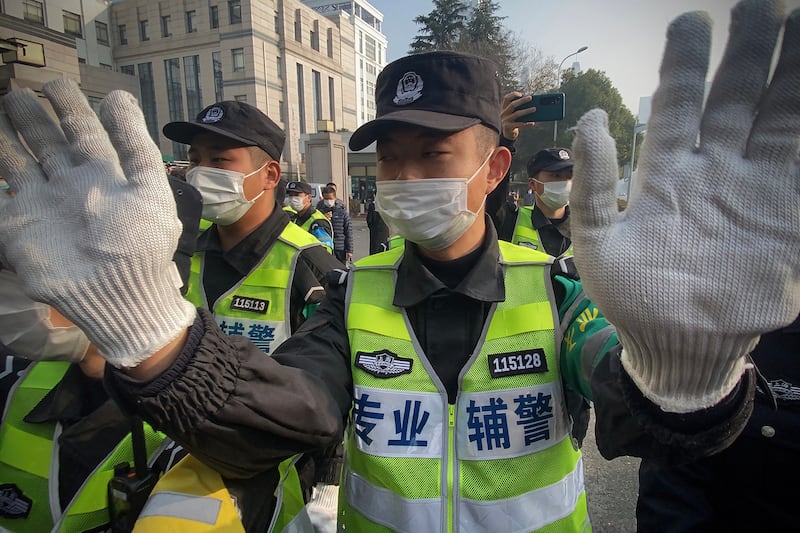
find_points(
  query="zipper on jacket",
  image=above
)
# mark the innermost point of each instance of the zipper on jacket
(451, 504)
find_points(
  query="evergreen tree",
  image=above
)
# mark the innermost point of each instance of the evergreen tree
(441, 28)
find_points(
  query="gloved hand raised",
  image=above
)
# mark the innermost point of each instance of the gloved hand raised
(93, 226)
(707, 255)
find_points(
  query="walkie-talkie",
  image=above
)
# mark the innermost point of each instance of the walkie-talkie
(129, 488)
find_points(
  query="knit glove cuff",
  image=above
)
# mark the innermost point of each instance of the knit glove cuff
(685, 371)
(131, 314)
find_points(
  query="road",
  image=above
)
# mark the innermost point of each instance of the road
(611, 486)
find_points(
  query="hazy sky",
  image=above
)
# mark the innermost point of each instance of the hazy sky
(625, 37)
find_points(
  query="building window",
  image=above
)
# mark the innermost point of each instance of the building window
(172, 70)
(213, 16)
(216, 64)
(128, 69)
(191, 74)
(94, 103)
(281, 112)
(237, 54)
(235, 11)
(72, 24)
(369, 46)
(332, 97)
(298, 26)
(101, 32)
(191, 21)
(241, 98)
(315, 36)
(278, 67)
(106, 66)
(277, 24)
(122, 29)
(301, 99)
(165, 20)
(81, 60)
(330, 42)
(147, 89)
(33, 11)
(144, 33)
(316, 85)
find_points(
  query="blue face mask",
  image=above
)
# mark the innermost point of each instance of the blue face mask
(4, 186)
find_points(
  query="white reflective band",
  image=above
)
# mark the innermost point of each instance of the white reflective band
(386, 508)
(527, 512)
(510, 422)
(264, 334)
(184, 506)
(392, 423)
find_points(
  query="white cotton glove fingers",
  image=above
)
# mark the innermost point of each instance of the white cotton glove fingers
(593, 198)
(776, 133)
(138, 155)
(92, 243)
(42, 135)
(677, 103)
(733, 98)
(82, 130)
(17, 165)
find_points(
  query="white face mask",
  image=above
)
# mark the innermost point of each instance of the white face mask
(222, 190)
(26, 330)
(296, 202)
(432, 212)
(330, 203)
(556, 193)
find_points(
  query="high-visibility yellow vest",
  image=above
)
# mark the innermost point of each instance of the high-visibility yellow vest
(257, 307)
(29, 464)
(327, 238)
(501, 458)
(526, 235)
(192, 498)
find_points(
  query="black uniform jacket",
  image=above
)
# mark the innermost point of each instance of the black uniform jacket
(242, 413)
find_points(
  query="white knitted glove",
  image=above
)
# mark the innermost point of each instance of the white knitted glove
(93, 226)
(706, 257)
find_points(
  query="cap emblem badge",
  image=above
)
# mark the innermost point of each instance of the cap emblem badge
(409, 89)
(563, 154)
(213, 115)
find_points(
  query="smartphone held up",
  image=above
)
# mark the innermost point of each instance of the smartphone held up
(549, 107)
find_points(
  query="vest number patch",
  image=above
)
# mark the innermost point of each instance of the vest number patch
(516, 363)
(254, 305)
(13, 504)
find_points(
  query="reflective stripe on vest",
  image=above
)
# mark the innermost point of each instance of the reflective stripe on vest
(192, 498)
(257, 307)
(501, 458)
(29, 460)
(526, 235)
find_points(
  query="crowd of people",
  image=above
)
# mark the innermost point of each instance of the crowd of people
(187, 353)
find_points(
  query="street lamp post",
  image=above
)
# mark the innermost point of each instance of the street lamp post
(558, 81)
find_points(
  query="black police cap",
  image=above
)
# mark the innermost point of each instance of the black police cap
(550, 159)
(299, 186)
(238, 121)
(443, 91)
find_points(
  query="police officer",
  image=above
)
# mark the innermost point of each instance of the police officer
(545, 225)
(301, 212)
(260, 275)
(450, 379)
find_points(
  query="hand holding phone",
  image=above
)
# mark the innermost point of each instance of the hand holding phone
(549, 107)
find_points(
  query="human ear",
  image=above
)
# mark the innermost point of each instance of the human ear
(499, 163)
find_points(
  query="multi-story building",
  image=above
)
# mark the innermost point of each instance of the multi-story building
(369, 43)
(46, 39)
(278, 55)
